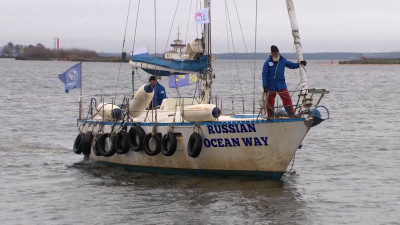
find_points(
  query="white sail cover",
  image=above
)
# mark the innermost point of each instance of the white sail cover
(194, 49)
(296, 37)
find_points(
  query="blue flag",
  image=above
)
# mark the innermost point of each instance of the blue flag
(182, 80)
(72, 77)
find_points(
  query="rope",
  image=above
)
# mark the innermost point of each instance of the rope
(101, 127)
(170, 128)
(94, 126)
(154, 129)
(92, 104)
(140, 78)
(199, 130)
(81, 127)
(294, 156)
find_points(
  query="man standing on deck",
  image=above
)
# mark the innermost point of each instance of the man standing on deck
(159, 93)
(273, 76)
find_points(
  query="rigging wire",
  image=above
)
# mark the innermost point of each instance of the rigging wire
(255, 58)
(241, 30)
(234, 51)
(197, 27)
(155, 29)
(227, 41)
(186, 35)
(199, 82)
(136, 25)
(187, 31)
(133, 48)
(297, 87)
(188, 21)
(245, 46)
(155, 50)
(123, 46)
(166, 44)
(172, 24)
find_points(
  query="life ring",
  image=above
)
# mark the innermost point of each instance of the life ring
(87, 142)
(168, 144)
(135, 138)
(152, 144)
(120, 143)
(78, 144)
(104, 146)
(194, 145)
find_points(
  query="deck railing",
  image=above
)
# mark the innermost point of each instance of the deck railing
(303, 103)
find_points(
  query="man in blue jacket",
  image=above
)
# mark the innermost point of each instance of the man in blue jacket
(159, 92)
(273, 75)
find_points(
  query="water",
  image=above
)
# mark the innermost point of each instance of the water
(346, 173)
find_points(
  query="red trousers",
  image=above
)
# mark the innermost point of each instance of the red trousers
(287, 101)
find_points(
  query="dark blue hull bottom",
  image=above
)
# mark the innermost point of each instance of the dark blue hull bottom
(202, 172)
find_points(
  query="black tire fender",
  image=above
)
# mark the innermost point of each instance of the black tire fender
(78, 144)
(155, 147)
(195, 145)
(135, 138)
(121, 143)
(168, 144)
(101, 146)
(95, 147)
(87, 142)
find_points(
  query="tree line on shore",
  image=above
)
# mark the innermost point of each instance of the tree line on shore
(40, 52)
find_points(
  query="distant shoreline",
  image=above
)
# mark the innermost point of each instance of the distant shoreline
(99, 59)
(343, 58)
(372, 61)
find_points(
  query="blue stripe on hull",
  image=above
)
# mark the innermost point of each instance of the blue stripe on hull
(178, 124)
(201, 172)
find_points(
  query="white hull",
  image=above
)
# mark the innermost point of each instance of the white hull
(230, 147)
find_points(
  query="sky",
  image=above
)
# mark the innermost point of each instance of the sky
(325, 25)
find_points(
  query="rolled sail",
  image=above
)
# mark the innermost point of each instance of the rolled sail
(161, 67)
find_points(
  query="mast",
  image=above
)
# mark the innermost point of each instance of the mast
(296, 38)
(207, 49)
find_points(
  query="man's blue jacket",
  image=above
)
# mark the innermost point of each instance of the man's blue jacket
(159, 95)
(273, 73)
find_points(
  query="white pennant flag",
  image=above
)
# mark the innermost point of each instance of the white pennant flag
(201, 16)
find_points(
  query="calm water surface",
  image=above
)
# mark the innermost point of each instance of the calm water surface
(346, 173)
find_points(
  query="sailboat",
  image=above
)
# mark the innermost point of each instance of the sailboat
(190, 135)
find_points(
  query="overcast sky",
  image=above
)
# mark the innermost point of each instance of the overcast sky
(325, 25)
